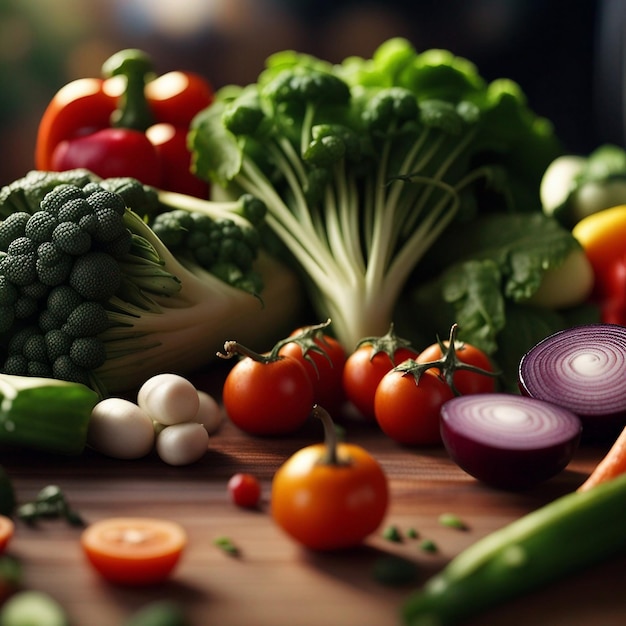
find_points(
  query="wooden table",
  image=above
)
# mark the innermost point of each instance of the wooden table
(274, 582)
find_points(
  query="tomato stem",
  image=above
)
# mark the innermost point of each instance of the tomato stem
(447, 365)
(389, 343)
(233, 348)
(330, 435)
(307, 339)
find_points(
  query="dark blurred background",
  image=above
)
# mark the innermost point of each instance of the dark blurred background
(566, 55)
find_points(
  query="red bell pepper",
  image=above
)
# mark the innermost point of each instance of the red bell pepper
(127, 123)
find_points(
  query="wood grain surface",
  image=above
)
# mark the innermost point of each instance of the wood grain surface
(273, 582)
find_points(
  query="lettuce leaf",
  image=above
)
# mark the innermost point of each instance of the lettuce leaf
(485, 272)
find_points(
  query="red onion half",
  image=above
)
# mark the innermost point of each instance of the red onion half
(509, 441)
(582, 369)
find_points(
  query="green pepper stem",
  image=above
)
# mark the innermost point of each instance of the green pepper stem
(133, 110)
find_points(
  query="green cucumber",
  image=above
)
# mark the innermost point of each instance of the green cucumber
(562, 537)
(45, 413)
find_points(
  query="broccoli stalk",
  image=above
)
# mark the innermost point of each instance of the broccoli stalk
(364, 166)
(184, 330)
(89, 293)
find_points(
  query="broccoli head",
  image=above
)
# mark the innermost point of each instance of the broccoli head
(104, 283)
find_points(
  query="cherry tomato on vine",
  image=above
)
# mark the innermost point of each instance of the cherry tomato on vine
(465, 381)
(406, 410)
(366, 366)
(323, 357)
(329, 496)
(267, 394)
(245, 490)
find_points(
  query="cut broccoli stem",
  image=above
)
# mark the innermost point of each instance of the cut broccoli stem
(194, 323)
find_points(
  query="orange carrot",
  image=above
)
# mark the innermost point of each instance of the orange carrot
(612, 465)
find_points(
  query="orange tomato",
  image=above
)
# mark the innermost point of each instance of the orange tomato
(134, 550)
(7, 528)
(329, 503)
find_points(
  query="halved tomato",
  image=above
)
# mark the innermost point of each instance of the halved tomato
(134, 550)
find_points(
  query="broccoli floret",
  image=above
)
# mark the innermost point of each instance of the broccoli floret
(222, 238)
(214, 244)
(96, 276)
(90, 294)
(12, 227)
(19, 263)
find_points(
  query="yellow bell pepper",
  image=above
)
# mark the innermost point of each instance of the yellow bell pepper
(603, 237)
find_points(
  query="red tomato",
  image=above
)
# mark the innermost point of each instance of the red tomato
(245, 490)
(364, 369)
(465, 381)
(615, 278)
(7, 528)
(613, 311)
(268, 397)
(613, 301)
(408, 412)
(329, 496)
(134, 550)
(325, 369)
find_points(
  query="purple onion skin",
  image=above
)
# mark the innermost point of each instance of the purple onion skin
(599, 424)
(601, 428)
(512, 470)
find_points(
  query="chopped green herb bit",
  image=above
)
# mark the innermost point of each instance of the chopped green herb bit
(391, 533)
(394, 571)
(411, 533)
(226, 544)
(158, 613)
(452, 521)
(428, 545)
(50, 503)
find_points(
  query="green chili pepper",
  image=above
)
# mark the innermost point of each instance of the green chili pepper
(566, 535)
